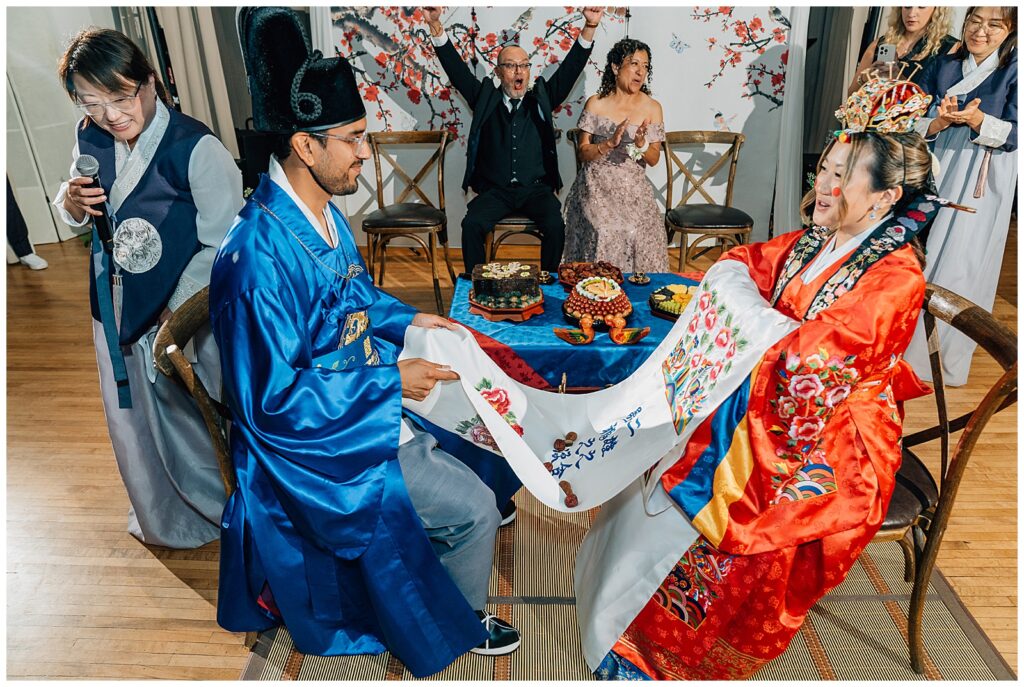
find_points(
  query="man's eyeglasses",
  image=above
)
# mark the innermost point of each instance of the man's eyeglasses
(515, 66)
(356, 141)
(123, 105)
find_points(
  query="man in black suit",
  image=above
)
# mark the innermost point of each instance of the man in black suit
(510, 153)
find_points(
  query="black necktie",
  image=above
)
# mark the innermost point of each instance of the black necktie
(515, 104)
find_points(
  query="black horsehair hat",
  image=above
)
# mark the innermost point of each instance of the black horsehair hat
(291, 88)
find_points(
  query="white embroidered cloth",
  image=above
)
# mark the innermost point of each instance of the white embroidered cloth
(622, 430)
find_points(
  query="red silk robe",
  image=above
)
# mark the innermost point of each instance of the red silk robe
(804, 482)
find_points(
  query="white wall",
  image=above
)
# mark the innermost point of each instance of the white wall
(40, 117)
(684, 61)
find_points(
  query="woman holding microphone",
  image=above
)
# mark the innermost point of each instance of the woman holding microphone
(168, 190)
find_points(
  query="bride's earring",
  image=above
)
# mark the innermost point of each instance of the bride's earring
(874, 210)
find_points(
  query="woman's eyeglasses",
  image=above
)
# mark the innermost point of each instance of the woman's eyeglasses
(123, 105)
(975, 26)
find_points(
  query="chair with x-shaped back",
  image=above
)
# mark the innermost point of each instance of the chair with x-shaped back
(712, 221)
(923, 498)
(423, 222)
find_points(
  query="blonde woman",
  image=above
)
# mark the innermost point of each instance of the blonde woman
(919, 34)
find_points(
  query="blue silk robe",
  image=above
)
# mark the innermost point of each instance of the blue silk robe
(321, 514)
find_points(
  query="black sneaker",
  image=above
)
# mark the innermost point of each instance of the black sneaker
(504, 638)
(508, 513)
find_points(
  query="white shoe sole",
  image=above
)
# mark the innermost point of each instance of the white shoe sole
(510, 519)
(498, 651)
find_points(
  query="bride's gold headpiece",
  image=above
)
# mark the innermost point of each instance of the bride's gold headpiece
(887, 104)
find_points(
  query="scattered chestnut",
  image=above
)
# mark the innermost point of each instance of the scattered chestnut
(571, 500)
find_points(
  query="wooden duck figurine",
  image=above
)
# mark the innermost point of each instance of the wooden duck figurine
(577, 337)
(619, 334)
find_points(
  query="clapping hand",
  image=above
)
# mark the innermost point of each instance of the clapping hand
(616, 138)
(971, 115)
(640, 137)
(948, 111)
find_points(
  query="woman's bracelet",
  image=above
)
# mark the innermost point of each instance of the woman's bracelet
(590, 26)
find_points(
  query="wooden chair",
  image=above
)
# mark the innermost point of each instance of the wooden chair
(422, 222)
(170, 339)
(514, 225)
(921, 505)
(722, 224)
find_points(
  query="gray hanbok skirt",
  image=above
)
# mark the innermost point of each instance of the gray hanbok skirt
(965, 251)
(163, 450)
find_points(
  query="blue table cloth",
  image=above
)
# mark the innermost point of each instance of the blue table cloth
(596, 364)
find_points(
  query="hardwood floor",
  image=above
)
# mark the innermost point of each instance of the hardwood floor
(86, 600)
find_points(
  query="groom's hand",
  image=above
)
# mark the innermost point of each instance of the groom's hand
(429, 321)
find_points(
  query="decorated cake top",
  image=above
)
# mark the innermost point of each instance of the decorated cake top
(600, 289)
(505, 270)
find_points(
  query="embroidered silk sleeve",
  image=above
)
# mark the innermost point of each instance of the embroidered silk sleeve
(994, 132)
(765, 260)
(391, 317)
(999, 129)
(813, 447)
(297, 408)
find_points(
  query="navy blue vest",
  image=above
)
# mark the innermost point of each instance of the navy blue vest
(162, 197)
(513, 147)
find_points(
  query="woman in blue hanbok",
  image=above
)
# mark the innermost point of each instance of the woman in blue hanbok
(173, 189)
(973, 123)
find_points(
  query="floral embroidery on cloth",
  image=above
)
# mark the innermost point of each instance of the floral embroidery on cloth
(690, 587)
(703, 353)
(499, 399)
(137, 245)
(806, 395)
(476, 431)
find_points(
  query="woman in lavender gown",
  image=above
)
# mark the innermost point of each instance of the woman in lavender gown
(611, 213)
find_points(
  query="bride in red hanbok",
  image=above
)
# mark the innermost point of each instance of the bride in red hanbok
(775, 495)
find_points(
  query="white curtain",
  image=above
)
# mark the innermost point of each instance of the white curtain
(857, 22)
(320, 27)
(198, 73)
(788, 182)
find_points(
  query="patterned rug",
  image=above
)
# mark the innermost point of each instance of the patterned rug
(858, 632)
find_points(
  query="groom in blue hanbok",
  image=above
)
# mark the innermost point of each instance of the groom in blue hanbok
(349, 525)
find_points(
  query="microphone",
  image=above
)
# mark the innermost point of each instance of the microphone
(88, 166)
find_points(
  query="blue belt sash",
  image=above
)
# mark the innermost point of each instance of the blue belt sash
(105, 299)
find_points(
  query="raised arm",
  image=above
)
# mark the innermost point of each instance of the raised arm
(561, 82)
(461, 76)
